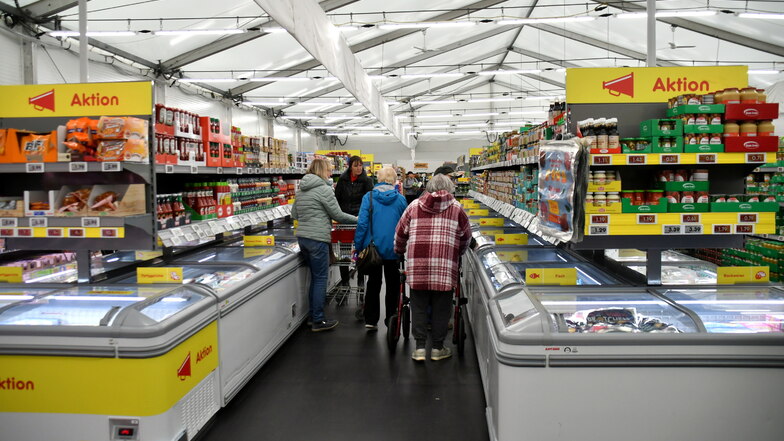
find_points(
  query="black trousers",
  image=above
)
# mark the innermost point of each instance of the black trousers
(344, 276)
(440, 303)
(392, 279)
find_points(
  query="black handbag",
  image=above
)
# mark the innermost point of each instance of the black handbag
(369, 258)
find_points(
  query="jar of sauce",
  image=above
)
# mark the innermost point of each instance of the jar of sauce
(653, 196)
(701, 119)
(765, 128)
(600, 199)
(613, 198)
(748, 128)
(718, 96)
(681, 176)
(731, 96)
(748, 95)
(731, 128)
(588, 198)
(703, 197)
(762, 97)
(700, 174)
(639, 197)
(704, 138)
(715, 119)
(673, 197)
(715, 139)
(687, 197)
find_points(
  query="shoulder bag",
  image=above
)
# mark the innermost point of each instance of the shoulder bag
(369, 258)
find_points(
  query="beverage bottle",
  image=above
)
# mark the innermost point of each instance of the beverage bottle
(589, 133)
(602, 139)
(613, 140)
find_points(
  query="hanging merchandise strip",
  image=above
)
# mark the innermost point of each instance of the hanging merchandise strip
(562, 181)
(522, 217)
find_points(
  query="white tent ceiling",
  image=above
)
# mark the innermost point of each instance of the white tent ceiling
(608, 40)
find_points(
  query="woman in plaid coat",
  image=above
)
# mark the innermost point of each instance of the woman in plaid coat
(433, 232)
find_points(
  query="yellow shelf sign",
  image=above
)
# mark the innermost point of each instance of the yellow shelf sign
(147, 255)
(731, 275)
(491, 222)
(511, 239)
(475, 151)
(492, 232)
(551, 276)
(11, 274)
(80, 99)
(512, 256)
(159, 275)
(259, 241)
(467, 203)
(478, 212)
(256, 252)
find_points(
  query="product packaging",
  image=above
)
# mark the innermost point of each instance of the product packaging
(563, 179)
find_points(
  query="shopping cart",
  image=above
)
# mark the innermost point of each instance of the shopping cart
(400, 321)
(343, 251)
(460, 322)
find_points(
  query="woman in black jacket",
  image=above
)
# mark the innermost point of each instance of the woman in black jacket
(351, 187)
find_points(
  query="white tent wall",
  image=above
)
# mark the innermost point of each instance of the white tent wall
(775, 94)
(11, 67)
(436, 152)
(54, 65)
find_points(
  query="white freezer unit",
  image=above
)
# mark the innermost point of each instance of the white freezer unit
(623, 363)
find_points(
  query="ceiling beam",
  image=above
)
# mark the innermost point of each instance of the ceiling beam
(519, 31)
(596, 43)
(371, 43)
(541, 57)
(47, 8)
(721, 34)
(231, 41)
(458, 92)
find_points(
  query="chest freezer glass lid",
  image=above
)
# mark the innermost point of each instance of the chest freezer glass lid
(503, 275)
(10, 295)
(587, 274)
(218, 277)
(600, 311)
(496, 255)
(96, 305)
(632, 255)
(684, 273)
(733, 310)
(257, 256)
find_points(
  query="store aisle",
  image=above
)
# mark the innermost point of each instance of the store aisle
(344, 385)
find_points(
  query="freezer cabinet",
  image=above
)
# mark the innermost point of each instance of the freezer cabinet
(561, 363)
(92, 363)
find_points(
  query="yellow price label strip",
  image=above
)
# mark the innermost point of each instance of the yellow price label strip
(479, 212)
(159, 275)
(259, 241)
(256, 252)
(551, 276)
(147, 255)
(491, 221)
(731, 275)
(512, 256)
(511, 239)
(11, 274)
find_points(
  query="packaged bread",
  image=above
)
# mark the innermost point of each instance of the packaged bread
(110, 150)
(136, 150)
(115, 127)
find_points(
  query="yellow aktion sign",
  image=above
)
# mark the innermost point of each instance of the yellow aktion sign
(159, 275)
(81, 99)
(649, 84)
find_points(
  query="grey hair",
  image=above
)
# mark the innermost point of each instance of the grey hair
(440, 182)
(387, 175)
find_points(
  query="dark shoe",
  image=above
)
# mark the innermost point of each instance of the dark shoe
(324, 325)
(371, 328)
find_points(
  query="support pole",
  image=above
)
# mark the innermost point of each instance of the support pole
(651, 59)
(83, 73)
(83, 266)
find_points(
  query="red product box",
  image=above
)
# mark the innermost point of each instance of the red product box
(739, 112)
(751, 143)
(606, 151)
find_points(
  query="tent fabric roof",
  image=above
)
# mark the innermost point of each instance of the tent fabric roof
(607, 41)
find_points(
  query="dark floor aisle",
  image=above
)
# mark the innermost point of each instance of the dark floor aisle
(344, 385)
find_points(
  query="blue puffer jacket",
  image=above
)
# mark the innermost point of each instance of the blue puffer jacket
(388, 206)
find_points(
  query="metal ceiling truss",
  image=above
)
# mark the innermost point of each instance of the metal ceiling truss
(231, 41)
(721, 34)
(543, 58)
(43, 9)
(368, 44)
(519, 31)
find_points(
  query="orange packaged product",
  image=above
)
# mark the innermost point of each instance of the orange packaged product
(2, 142)
(92, 131)
(110, 150)
(34, 148)
(111, 127)
(136, 150)
(136, 128)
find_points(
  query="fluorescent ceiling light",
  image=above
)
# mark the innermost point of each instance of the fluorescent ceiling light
(526, 112)
(367, 129)
(665, 14)
(341, 118)
(427, 24)
(274, 30)
(264, 103)
(539, 97)
(376, 77)
(300, 117)
(291, 79)
(93, 33)
(492, 100)
(763, 15)
(316, 103)
(432, 75)
(434, 116)
(509, 72)
(321, 127)
(201, 32)
(434, 102)
(764, 72)
(435, 126)
(466, 126)
(482, 114)
(519, 21)
(207, 80)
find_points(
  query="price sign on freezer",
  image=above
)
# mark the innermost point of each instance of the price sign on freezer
(11, 274)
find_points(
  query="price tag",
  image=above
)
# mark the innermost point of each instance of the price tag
(110, 167)
(91, 222)
(599, 230)
(159, 275)
(54, 232)
(215, 227)
(255, 218)
(730, 275)
(672, 229)
(755, 158)
(670, 159)
(9, 222)
(693, 229)
(177, 241)
(77, 167)
(637, 159)
(601, 219)
(168, 169)
(744, 229)
(24, 232)
(110, 232)
(239, 170)
(147, 255)
(200, 232)
(707, 158)
(176, 232)
(722, 229)
(748, 218)
(7, 232)
(601, 159)
(259, 241)
(690, 218)
(34, 167)
(190, 237)
(11, 274)
(194, 169)
(647, 219)
(164, 234)
(491, 221)
(258, 171)
(76, 232)
(39, 222)
(219, 170)
(478, 212)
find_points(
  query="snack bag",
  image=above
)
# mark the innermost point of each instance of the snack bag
(111, 127)
(110, 150)
(35, 147)
(136, 128)
(2, 142)
(92, 131)
(136, 150)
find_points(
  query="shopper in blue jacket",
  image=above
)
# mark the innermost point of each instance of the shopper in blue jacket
(388, 207)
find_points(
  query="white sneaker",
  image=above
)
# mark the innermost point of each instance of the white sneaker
(418, 354)
(440, 354)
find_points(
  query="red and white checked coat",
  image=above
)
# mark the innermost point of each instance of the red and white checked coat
(433, 232)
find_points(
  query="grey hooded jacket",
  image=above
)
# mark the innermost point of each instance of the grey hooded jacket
(315, 207)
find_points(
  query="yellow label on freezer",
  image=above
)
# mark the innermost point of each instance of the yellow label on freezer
(77, 100)
(492, 221)
(11, 274)
(257, 252)
(551, 276)
(492, 232)
(478, 212)
(147, 255)
(113, 386)
(259, 241)
(467, 203)
(730, 275)
(511, 239)
(512, 256)
(159, 275)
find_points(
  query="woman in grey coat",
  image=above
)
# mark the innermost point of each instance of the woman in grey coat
(315, 207)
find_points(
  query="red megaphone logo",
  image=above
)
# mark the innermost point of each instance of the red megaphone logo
(43, 101)
(621, 85)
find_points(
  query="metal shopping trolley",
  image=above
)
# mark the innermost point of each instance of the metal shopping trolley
(343, 251)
